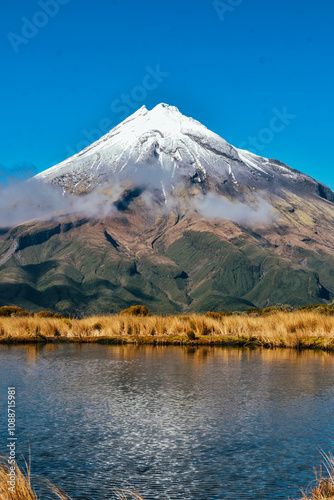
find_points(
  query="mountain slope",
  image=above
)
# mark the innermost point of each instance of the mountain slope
(189, 223)
(162, 148)
(170, 265)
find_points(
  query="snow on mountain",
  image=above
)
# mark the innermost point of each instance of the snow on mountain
(172, 217)
(162, 147)
(162, 138)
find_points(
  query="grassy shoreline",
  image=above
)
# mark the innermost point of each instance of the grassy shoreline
(323, 489)
(278, 329)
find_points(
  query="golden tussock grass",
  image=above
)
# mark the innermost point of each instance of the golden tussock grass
(323, 490)
(299, 329)
(324, 487)
(23, 489)
(127, 494)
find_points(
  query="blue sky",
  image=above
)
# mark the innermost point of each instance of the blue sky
(258, 73)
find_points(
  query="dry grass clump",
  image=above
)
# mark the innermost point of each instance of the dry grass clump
(324, 488)
(23, 489)
(20, 488)
(296, 329)
(127, 494)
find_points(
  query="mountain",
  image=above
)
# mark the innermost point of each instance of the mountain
(161, 147)
(163, 212)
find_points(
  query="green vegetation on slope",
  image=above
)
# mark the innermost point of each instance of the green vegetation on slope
(77, 269)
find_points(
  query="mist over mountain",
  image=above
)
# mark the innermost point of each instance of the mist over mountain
(163, 212)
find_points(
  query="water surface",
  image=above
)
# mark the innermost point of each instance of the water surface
(176, 423)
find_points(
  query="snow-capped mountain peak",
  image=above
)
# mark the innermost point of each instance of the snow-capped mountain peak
(163, 138)
(163, 147)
